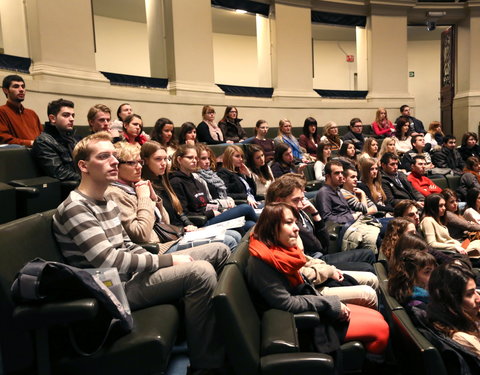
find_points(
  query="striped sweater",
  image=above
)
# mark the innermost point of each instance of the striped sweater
(90, 234)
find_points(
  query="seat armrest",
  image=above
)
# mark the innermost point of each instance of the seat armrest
(297, 363)
(26, 190)
(55, 313)
(198, 220)
(150, 247)
(307, 319)
(279, 333)
(70, 183)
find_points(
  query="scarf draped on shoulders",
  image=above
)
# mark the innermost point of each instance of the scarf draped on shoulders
(285, 260)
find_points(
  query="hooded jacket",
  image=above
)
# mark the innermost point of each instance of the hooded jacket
(191, 193)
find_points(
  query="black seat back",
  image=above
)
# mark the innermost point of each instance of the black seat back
(415, 352)
(238, 321)
(17, 164)
(20, 241)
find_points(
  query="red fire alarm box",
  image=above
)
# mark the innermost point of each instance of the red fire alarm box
(350, 58)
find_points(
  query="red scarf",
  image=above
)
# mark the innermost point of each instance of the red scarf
(287, 261)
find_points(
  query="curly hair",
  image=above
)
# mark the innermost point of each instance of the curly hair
(395, 229)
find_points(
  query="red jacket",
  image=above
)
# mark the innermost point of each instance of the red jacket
(423, 184)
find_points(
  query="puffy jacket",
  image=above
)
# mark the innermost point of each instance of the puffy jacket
(232, 130)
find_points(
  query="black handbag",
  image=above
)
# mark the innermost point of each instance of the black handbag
(167, 232)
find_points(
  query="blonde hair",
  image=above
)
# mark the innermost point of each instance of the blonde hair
(281, 123)
(377, 115)
(127, 151)
(82, 150)
(228, 157)
(383, 147)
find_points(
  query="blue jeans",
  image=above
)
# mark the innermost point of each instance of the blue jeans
(237, 211)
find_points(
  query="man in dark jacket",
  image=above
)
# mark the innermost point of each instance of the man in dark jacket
(448, 156)
(355, 134)
(395, 184)
(52, 149)
(416, 126)
(418, 148)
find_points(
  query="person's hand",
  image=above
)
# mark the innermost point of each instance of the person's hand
(358, 192)
(337, 275)
(181, 258)
(144, 189)
(190, 228)
(252, 202)
(216, 213)
(245, 171)
(307, 206)
(230, 142)
(421, 204)
(301, 167)
(230, 203)
(461, 250)
(190, 142)
(344, 312)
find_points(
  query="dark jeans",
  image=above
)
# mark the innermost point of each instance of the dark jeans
(353, 260)
(237, 211)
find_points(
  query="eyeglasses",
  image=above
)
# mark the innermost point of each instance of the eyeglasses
(132, 163)
(232, 112)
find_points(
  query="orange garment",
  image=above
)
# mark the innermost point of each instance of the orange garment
(368, 326)
(18, 125)
(286, 260)
(423, 185)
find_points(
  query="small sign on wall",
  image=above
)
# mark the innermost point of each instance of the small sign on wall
(411, 74)
(350, 58)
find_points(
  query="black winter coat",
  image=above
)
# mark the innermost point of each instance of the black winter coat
(52, 151)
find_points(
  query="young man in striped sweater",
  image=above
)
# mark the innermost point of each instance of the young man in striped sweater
(90, 234)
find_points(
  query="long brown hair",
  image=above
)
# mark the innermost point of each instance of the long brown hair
(403, 278)
(270, 221)
(375, 185)
(395, 229)
(162, 182)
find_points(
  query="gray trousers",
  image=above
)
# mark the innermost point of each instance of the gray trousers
(193, 283)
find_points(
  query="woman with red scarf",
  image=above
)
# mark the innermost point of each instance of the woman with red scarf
(274, 271)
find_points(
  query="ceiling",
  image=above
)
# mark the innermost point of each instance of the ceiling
(226, 21)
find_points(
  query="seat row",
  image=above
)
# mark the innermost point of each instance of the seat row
(24, 190)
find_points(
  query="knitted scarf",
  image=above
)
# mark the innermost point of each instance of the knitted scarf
(211, 177)
(287, 261)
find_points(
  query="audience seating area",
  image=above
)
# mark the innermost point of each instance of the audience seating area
(26, 329)
(23, 188)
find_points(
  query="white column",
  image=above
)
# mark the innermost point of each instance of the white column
(61, 39)
(466, 106)
(14, 30)
(264, 55)
(292, 57)
(361, 58)
(387, 52)
(156, 38)
(189, 41)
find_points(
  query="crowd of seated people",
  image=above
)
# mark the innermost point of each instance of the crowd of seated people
(151, 182)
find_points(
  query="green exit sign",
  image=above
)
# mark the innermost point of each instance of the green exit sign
(411, 74)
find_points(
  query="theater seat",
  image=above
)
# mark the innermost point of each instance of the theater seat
(34, 192)
(9, 206)
(25, 329)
